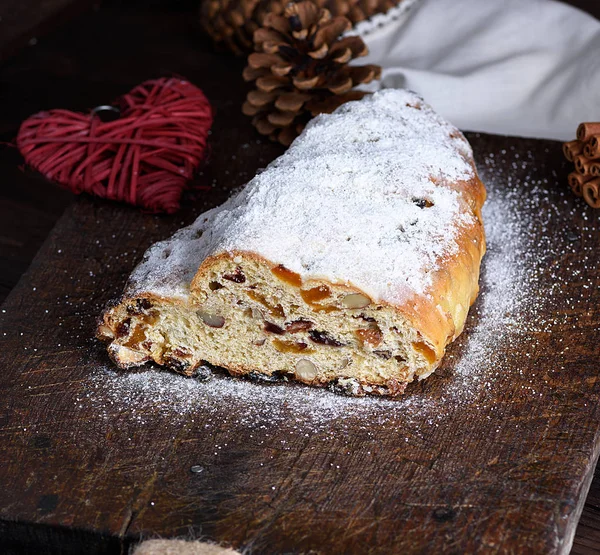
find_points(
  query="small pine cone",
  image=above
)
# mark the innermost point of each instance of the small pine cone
(300, 69)
(231, 23)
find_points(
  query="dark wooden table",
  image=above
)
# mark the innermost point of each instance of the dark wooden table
(80, 66)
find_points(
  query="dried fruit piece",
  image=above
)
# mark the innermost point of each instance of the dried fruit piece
(237, 276)
(324, 338)
(287, 275)
(275, 310)
(122, 328)
(274, 328)
(290, 346)
(298, 325)
(139, 306)
(316, 294)
(372, 336)
(137, 336)
(423, 202)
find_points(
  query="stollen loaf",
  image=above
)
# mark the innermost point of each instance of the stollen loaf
(351, 261)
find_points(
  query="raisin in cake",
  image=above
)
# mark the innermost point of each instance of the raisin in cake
(351, 260)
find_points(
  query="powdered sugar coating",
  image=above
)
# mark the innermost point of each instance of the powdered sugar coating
(345, 203)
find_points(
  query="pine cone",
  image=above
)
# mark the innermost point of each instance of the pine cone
(231, 23)
(300, 69)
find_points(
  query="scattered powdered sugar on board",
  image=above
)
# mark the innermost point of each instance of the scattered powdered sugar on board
(527, 235)
(507, 315)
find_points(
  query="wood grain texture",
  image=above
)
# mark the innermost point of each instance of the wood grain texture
(75, 481)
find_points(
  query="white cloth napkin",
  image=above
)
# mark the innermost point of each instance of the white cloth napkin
(514, 67)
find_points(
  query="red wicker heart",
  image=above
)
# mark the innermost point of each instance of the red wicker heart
(144, 158)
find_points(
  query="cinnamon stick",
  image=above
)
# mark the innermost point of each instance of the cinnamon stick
(572, 149)
(592, 148)
(591, 192)
(576, 182)
(582, 165)
(595, 168)
(587, 129)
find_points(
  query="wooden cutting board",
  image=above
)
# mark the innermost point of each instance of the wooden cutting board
(494, 453)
